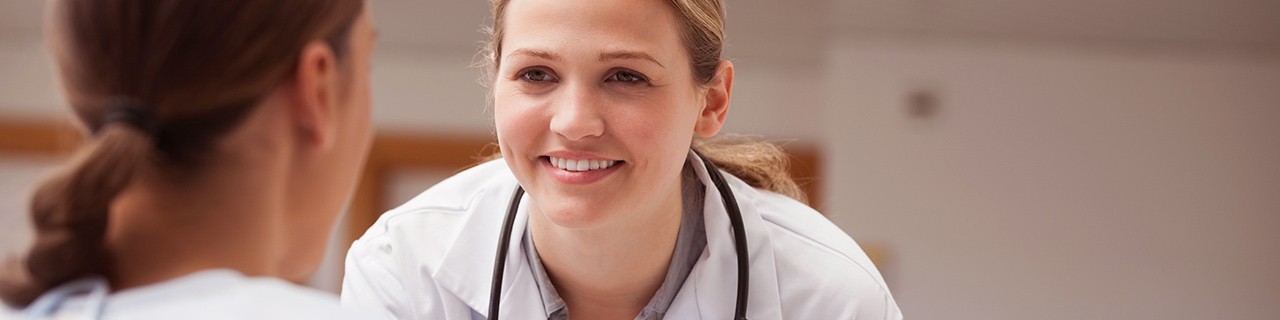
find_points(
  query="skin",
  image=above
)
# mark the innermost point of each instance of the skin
(266, 202)
(602, 80)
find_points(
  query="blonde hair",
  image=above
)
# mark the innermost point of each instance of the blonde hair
(761, 164)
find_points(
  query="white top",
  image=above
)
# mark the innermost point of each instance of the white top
(432, 258)
(213, 294)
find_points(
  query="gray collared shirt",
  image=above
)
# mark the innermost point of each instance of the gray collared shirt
(690, 242)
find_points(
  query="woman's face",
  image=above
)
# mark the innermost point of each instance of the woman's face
(595, 107)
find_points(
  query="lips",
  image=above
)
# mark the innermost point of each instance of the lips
(581, 164)
(579, 168)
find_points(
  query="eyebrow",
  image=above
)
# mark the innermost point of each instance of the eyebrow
(604, 56)
(628, 55)
(536, 53)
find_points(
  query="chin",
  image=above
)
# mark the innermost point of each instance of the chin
(576, 216)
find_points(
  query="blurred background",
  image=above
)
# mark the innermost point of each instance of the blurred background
(1001, 159)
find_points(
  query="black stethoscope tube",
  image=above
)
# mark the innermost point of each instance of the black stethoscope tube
(500, 262)
(730, 206)
(739, 236)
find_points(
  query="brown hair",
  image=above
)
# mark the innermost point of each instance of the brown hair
(761, 164)
(196, 68)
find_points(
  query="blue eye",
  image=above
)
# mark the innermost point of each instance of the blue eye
(627, 77)
(536, 75)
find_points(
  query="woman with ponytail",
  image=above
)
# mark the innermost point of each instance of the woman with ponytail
(224, 138)
(606, 113)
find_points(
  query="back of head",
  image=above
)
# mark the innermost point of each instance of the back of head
(155, 83)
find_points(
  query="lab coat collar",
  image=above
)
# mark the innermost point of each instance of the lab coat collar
(714, 278)
(467, 273)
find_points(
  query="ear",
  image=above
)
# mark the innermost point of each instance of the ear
(715, 102)
(314, 94)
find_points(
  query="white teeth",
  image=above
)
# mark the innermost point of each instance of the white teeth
(581, 165)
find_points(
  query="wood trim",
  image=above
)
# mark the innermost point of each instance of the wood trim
(806, 169)
(38, 137)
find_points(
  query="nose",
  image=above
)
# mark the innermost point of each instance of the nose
(577, 116)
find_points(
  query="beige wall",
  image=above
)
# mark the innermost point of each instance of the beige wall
(1060, 184)
(19, 173)
(28, 87)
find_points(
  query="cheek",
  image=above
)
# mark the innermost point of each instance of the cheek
(662, 125)
(516, 121)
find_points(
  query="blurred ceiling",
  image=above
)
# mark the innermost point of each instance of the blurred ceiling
(797, 29)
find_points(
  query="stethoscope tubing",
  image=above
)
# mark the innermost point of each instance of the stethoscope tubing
(500, 261)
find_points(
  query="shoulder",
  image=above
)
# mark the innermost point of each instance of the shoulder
(7, 313)
(219, 295)
(394, 265)
(822, 272)
(454, 195)
(431, 222)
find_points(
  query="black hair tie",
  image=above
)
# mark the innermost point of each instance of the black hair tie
(131, 111)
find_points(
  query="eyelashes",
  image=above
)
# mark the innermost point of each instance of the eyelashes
(536, 75)
(628, 77)
(542, 75)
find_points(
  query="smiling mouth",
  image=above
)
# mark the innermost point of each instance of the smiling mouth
(581, 165)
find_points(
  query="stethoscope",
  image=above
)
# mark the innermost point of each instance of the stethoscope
(730, 205)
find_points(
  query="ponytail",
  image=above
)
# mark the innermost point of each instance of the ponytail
(760, 164)
(70, 210)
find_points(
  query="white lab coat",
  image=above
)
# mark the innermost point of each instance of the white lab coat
(432, 258)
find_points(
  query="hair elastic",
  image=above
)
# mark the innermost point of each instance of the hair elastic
(131, 111)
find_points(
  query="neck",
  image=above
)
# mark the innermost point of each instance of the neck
(610, 272)
(228, 219)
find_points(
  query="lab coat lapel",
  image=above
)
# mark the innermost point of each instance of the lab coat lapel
(715, 278)
(467, 269)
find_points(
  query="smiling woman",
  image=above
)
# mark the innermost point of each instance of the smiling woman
(602, 110)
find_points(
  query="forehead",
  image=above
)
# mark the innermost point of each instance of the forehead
(592, 25)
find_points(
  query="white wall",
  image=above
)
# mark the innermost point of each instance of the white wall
(777, 99)
(428, 92)
(1060, 184)
(28, 86)
(18, 176)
